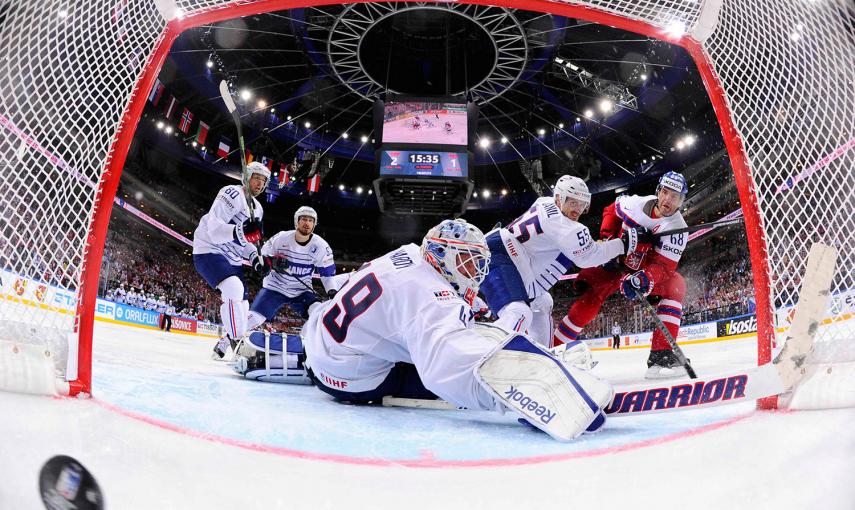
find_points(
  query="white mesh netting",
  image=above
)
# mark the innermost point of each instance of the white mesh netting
(68, 70)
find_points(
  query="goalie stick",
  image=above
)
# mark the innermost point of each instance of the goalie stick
(232, 108)
(771, 379)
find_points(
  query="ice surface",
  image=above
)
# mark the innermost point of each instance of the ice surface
(169, 428)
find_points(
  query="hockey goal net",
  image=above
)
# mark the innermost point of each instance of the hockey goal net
(74, 77)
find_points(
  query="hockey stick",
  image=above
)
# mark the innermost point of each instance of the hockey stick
(671, 340)
(313, 291)
(700, 226)
(245, 177)
(775, 378)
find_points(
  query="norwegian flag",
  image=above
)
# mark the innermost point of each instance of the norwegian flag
(223, 148)
(267, 162)
(314, 184)
(202, 134)
(156, 92)
(186, 120)
(170, 106)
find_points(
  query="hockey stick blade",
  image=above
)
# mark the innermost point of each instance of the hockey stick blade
(678, 352)
(809, 312)
(660, 396)
(227, 97)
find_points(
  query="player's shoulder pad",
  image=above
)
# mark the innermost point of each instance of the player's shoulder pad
(232, 195)
(320, 241)
(547, 210)
(320, 246)
(679, 221)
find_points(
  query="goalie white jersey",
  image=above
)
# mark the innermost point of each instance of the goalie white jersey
(215, 233)
(397, 308)
(636, 211)
(544, 244)
(303, 260)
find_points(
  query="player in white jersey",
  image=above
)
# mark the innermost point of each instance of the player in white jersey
(131, 297)
(643, 271)
(402, 326)
(151, 302)
(225, 237)
(121, 295)
(293, 257)
(531, 253)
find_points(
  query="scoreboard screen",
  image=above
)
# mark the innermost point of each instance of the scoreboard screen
(427, 163)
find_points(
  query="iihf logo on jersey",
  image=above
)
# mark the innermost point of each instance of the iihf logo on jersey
(444, 295)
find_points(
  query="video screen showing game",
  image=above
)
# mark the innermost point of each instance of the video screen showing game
(440, 123)
(424, 163)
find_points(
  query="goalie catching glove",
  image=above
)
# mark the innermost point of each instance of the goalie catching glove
(636, 285)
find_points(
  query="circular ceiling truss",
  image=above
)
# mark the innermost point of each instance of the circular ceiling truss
(356, 20)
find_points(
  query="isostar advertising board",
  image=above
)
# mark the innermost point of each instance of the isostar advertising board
(737, 326)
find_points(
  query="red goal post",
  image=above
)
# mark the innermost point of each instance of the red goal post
(74, 83)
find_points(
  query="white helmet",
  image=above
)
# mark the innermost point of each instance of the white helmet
(305, 211)
(256, 168)
(442, 247)
(572, 187)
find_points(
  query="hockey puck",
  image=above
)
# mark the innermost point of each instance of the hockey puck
(64, 483)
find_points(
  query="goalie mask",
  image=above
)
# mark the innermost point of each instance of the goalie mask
(459, 252)
(572, 187)
(305, 211)
(256, 168)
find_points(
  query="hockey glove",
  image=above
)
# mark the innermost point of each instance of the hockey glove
(278, 264)
(636, 285)
(250, 232)
(637, 240)
(259, 264)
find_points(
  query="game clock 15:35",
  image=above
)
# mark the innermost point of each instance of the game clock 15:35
(420, 157)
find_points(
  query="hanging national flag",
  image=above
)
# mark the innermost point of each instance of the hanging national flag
(284, 177)
(223, 148)
(202, 134)
(267, 162)
(156, 92)
(170, 106)
(314, 184)
(186, 120)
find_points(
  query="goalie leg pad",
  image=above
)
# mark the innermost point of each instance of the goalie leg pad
(262, 358)
(559, 400)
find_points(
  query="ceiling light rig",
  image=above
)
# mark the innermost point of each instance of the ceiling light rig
(356, 21)
(614, 91)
